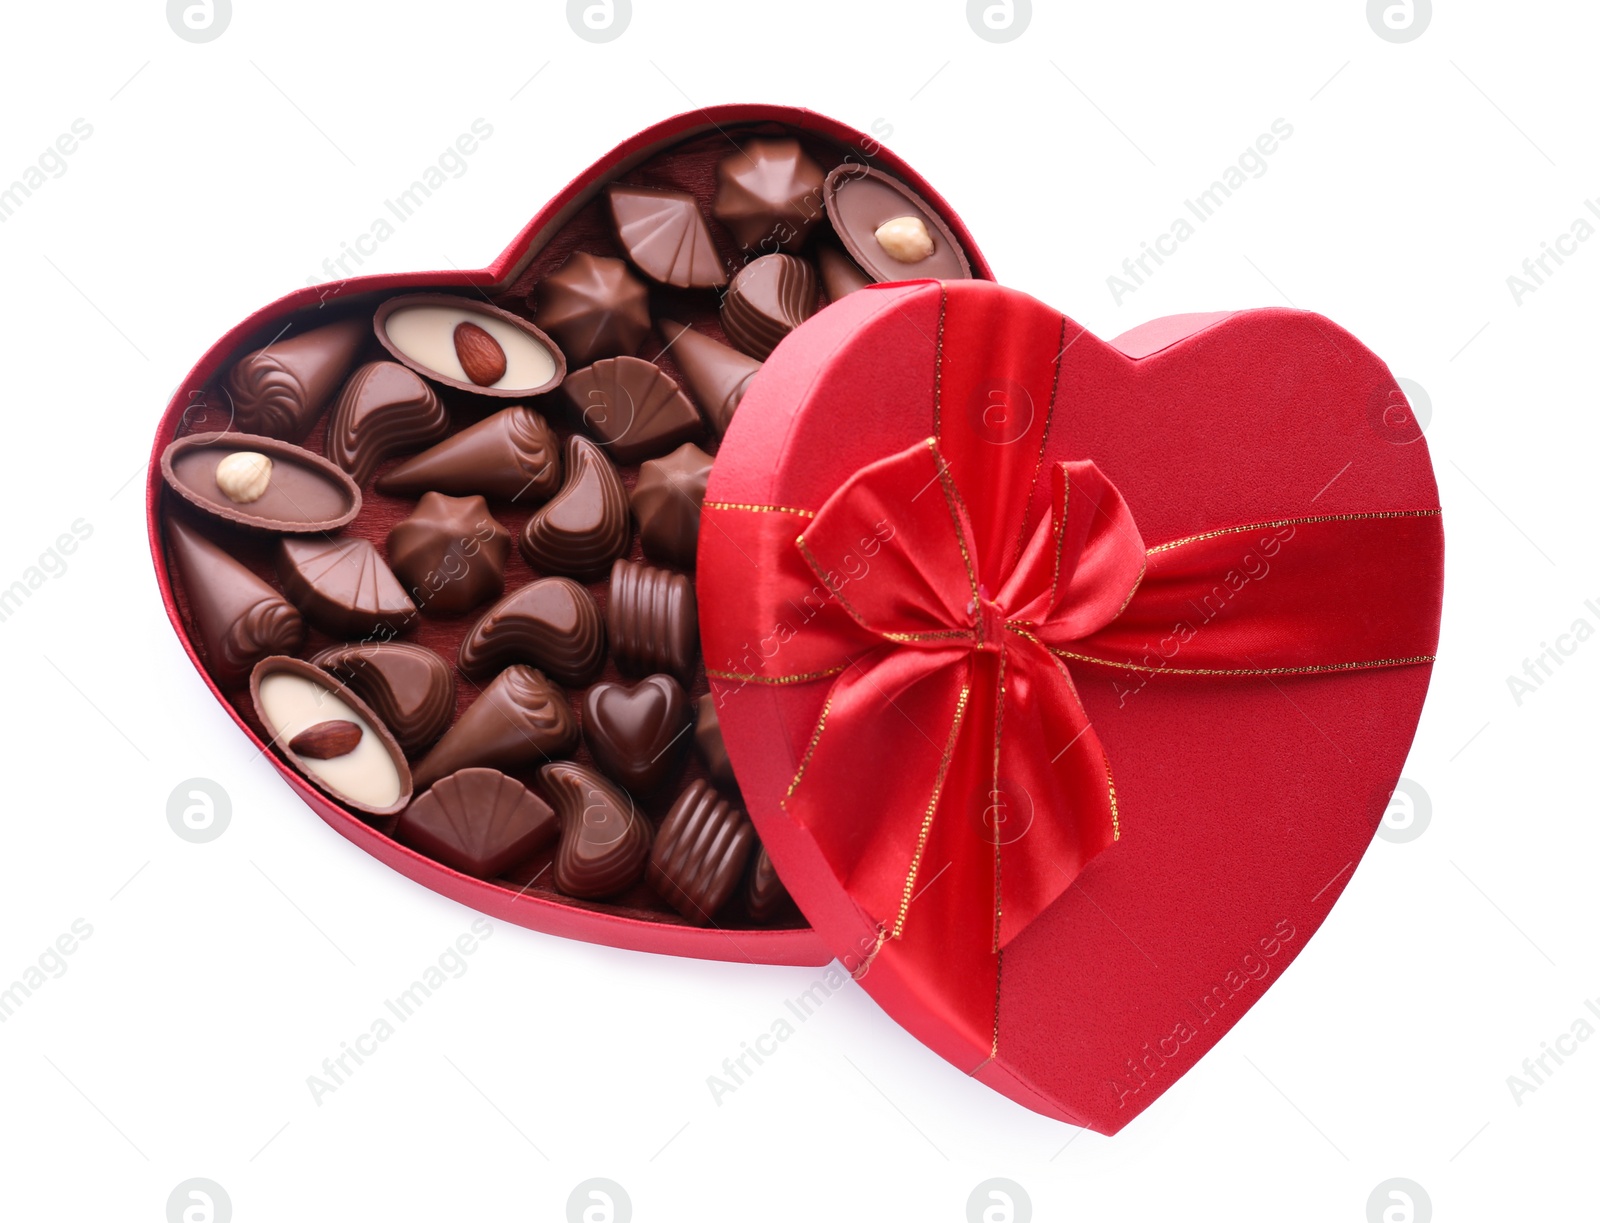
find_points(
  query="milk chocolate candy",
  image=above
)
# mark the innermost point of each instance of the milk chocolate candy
(479, 822)
(708, 743)
(888, 230)
(594, 307)
(238, 619)
(280, 390)
(718, 375)
(666, 504)
(650, 621)
(605, 840)
(765, 897)
(469, 345)
(343, 587)
(552, 623)
(769, 195)
(450, 553)
(637, 732)
(585, 525)
(700, 853)
(840, 276)
(768, 298)
(260, 483)
(408, 686)
(665, 236)
(511, 456)
(384, 409)
(520, 719)
(632, 408)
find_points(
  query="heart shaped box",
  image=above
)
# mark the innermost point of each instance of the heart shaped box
(1244, 802)
(189, 411)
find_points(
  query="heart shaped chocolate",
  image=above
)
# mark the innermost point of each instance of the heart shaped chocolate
(637, 731)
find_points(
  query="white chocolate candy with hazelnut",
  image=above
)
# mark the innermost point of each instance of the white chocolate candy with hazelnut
(243, 476)
(905, 239)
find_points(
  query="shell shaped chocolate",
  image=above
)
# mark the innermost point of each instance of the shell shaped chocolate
(383, 410)
(479, 822)
(605, 839)
(632, 407)
(586, 525)
(700, 853)
(552, 623)
(768, 298)
(343, 586)
(409, 686)
(665, 235)
(512, 456)
(519, 719)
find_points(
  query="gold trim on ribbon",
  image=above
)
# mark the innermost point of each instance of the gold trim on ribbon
(1044, 444)
(804, 677)
(1307, 670)
(1288, 522)
(959, 518)
(811, 750)
(760, 509)
(932, 809)
(938, 367)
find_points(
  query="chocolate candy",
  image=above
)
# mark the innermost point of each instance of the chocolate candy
(765, 897)
(769, 195)
(718, 375)
(450, 553)
(384, 409)
(585, 525)
(666, 504)
(665, 236)
(604, 839)
(632, 408)
(650, 620)
(637, 732)
(840, 276)
(260, 483)
(769, 298)
(479, 822)
(440, 336)
(343, 587)
(521, 718)
(888, 231)
(708, 742)
(699, 855)
(292, 697)
(594, 307)
(511, 456)
(553, 623)
(237, 618)
(280, 390)
(408, 686)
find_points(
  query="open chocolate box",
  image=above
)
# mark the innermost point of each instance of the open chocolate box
(313, 496)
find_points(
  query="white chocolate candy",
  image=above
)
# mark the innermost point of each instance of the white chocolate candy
(291, 703)
(426, 335)
(243, 476)
(905, 238)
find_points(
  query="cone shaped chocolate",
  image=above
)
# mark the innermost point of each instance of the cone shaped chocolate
(520, 719)
(510, 456)
(281, 389)
(717, 374)
(238, 617)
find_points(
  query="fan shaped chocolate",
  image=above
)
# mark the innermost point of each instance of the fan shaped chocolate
(260, 483)
(768, 298)
(718, 375)
(666, 503)
(888, 230)
(519, 719)
(650, 621)
(584, 526)
(699, 855)
(633, 408)
(511, 456)
(769, 195)
(384, 409)
(343, 586)
(665, 235)
(595, 307)
(552, 623)
(408, 686)
(765, 897)
(637, 732)
(238, 619)
(605, 840)
(280, 390)
(451, 554)
(479, 822)
(425, 333)
(708, 743)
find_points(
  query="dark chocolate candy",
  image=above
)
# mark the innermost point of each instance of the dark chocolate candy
(637, 732)
(769, 195)
(604, 838)
(650, 621)
(458, 341)
(383, 410)
(861, 201)
(665, 236)
(594, 307)
(666, 504)
(409, 686)
(765, 897)
(451, 554)
(718, 375)
(768, 298)
(632, 408)
(700, 853)
(840, 276)
(260, 483)
(237, 618)
(511, 456)
(520, 719)
(280, 390)
(586, 525)
(343, 586)
(708, 742)
(553, 623)
(479, 822)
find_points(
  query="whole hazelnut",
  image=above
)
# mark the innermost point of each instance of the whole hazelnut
(905, 238)
(244, 475)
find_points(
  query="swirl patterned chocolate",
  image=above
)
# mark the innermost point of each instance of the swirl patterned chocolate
(281, 389)
(605, 839)
(552, 623)
(587, 524)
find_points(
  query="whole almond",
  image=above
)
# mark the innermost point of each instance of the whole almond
(326, 740)
(480, 354)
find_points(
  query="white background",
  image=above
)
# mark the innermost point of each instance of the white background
(218, 976)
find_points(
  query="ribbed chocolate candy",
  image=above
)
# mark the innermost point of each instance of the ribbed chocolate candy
(699, 855)
(637, 732)
(553, 623)
(765, 897)
(605, 840)
(520, 719)
(343, 586)
(768, 298)
(584, 526)
(632, 408)
(665, 235)
(409, 687)
(650, 620)
(383, 410)
(479, 822)
(510, 456)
